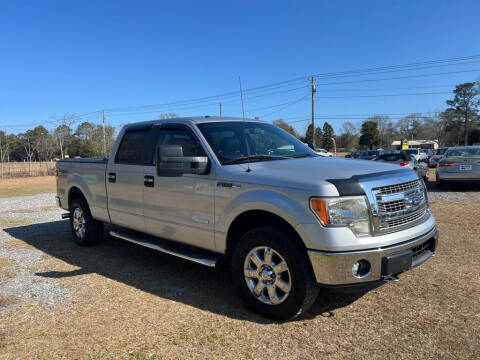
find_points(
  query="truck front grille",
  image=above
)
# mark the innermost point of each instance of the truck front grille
(399, 206)
(391, 189)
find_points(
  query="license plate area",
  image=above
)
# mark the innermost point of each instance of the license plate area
(465, 167)
(397, 263)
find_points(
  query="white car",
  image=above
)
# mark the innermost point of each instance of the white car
(323, 152)
(419, 154)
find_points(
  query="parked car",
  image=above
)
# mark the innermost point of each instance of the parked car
(370, 154)
(354, 154)
(437, 156)
(283, 218)
(459, 164)
(323, 152)
(419, 154)
(407, 161)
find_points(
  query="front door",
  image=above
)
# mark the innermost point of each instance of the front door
(180, 208)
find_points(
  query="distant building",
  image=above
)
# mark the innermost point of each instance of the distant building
(422, 144)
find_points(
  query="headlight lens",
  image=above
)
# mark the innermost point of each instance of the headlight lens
(348, 211)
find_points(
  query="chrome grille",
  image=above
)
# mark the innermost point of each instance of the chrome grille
(399, 205)
(391, 189)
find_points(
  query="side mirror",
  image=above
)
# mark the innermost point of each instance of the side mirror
(169, 161)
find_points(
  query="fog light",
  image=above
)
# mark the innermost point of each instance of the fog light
(361, 269)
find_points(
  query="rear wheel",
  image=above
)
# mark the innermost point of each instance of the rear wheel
(85, 229)
(272, 274)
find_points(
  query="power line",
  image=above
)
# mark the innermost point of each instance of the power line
(358, 72)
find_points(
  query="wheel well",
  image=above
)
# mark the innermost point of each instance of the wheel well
(256, 218)
(73, 194)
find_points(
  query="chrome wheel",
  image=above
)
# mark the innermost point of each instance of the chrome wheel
(78, 222)
(267, 275)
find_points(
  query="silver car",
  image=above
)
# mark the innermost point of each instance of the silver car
(405, 160)
(459, 164)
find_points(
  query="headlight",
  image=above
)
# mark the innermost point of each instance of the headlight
(348, 211)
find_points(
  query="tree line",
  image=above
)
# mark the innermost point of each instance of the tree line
(40, 144)
(459, 124)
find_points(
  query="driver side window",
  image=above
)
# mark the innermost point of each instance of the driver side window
(177, 136)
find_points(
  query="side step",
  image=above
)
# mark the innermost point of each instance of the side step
(190, 255)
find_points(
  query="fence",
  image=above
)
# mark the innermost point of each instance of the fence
(24, 169)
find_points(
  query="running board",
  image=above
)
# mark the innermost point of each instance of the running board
(190, 255)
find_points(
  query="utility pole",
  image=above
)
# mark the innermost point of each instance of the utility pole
(104, 137)
(220, 109)
(314, 89)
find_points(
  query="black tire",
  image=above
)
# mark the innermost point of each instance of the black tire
(303, 287)
(92, 229)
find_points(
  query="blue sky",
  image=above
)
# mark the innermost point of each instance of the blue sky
(61, 57)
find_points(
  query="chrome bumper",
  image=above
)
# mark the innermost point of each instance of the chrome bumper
(335, 268)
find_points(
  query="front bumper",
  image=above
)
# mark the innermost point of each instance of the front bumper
(335, 268)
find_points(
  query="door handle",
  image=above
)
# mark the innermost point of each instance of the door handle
(148, 180)
(112, 177)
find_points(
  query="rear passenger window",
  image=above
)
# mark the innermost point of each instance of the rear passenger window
(132, 148)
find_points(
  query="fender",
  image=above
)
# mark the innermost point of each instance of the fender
(96, 203)
(271, 201)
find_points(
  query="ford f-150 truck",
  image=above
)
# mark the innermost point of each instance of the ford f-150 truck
(284, 219)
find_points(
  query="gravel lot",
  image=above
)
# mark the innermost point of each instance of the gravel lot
(119, 300)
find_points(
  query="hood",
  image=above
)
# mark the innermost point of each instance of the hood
(306, 172)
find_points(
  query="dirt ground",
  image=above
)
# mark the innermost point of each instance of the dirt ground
(27, 186)
(121, 301)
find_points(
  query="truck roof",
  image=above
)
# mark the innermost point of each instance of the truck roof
(190, 120)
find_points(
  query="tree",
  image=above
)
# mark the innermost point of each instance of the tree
(382, 125)
(62, 134)
(370, 136)
(465, 104)
(348, 138)
(309, 136)
(63, 131)
(4, 148)
(285, 126)
(327, 137)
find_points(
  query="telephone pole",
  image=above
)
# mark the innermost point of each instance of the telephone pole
(104, 137)
(220, 109)
(314, 89)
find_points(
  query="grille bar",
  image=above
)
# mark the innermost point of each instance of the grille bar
(399, 205)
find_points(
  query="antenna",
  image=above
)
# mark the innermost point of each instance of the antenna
(241, 97)
(243, 113)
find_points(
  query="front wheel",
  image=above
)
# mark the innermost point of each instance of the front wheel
(272, 274)
(85, 229)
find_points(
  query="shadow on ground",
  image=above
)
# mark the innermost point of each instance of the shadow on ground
(159, 274)
(452, 187)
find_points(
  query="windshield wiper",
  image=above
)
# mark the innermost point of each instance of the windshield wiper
(253, 157)
(296, 156)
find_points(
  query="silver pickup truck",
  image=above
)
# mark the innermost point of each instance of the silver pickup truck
(284, 219)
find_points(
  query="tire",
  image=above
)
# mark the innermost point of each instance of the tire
(85, 229)
(298, 288)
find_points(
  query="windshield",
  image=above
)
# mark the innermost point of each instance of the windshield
(373, 152)
(441, 151)
(237, 140)
(410, 151)
(464, 152)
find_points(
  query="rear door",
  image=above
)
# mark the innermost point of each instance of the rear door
(179, 208)
(125, 179)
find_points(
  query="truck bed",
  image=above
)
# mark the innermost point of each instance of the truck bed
(88, 175)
